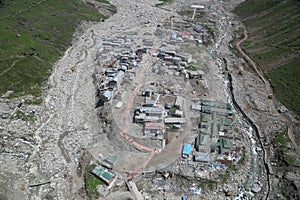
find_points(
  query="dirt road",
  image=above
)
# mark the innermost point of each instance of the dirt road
(249, 60)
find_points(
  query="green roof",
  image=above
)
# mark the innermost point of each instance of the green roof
(223, 143)
(104, 175)
(108, 176)
(226, 143)
(216, 104)
(111, 159)
(227, 121)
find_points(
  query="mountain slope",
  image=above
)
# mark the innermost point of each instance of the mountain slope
(33, 35)
(274, 44)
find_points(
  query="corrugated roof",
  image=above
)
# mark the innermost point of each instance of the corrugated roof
(106, 176)
(154, 125)
(118, 77)
(187, 149)
(202, 157)
(175, 120)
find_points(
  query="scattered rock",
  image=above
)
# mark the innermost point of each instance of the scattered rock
(256, 188)
(22, 186)
(229, 193)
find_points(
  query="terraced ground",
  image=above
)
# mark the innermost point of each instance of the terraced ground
(33, 35)
(274, 43)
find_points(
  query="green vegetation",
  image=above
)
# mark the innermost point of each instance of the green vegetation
(243, 159)
(191, 68)
(282, 139)
(33, 35)
(164, 2)
(289, 159)
(36, 101)
(224, 177)
(286, 152)
(207, 185)
(273, 27)
(91, 182)
(25, 117)
(286, 84)
(252, 7)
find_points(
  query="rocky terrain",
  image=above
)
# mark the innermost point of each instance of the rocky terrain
(45, 148)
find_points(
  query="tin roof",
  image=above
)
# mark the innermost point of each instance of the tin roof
(187, 149)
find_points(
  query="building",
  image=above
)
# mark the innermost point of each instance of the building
(186, 150)
(216, 104)
(142, 118)
(176, 113)
(196, 107)
(201, 140)
(202, 157)
(109, 161)
(168, 106)
(123, 68)
(148, 42)
(148, 92)
(104, 175)
(110, 73)
(223, 145)
(105, 95)
(117, 79)
(154, 130)
(196, 74)
(175, 120)
(176, 60)
(179, 102)
(199, 29)
(148, 102)
(186, 57)
(151, 111)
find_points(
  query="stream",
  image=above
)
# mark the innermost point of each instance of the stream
(248, 127)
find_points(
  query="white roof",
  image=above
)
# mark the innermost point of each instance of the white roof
(197, 6)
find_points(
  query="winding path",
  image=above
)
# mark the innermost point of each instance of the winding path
(248, 59)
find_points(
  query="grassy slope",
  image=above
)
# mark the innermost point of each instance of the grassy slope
(33, 35)
(274, 43)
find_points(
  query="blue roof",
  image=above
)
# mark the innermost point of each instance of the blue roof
(187, 149)
(183, 197)
(199, 27)
(196, 191)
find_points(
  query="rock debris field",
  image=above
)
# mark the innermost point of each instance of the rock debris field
(46, 157)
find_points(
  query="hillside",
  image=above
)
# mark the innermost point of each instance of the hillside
(274, 44)
(33, 35)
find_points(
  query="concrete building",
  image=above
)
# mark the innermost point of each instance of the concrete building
(199, 29)
(222, 145)
(201, 140)
(116, 81)
(186, 150)
(175, 120)
(154, 130)
(201, 157)
(179, 102)
(142, 118)
(109, 161)
(148, 92)
(151, 111)
(104, 175)
(176, 113)
(105, 95)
